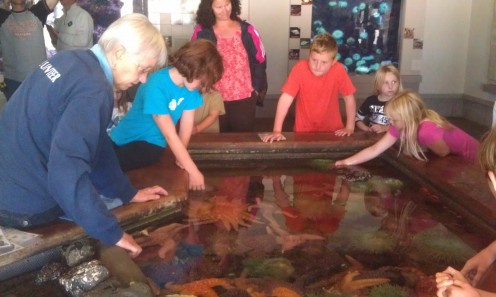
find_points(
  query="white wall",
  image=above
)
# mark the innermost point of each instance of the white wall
(414, 18)
(446, 38)
(455, 35)
(478, 48)
(272, 22)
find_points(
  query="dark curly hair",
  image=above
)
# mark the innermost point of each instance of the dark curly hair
(205, 15)
(199, 59)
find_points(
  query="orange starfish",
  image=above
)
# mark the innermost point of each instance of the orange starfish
(200, 288)
(284, 292)
(231, 212)
(348, 285)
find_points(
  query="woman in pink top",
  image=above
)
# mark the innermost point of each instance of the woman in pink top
(418, 129)
(244, 82)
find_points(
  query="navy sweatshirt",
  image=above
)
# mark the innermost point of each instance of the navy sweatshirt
(54, 149)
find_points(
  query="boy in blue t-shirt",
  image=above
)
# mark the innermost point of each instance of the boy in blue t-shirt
(170, 94)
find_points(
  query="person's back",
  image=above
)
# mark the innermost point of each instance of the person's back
(75, 28)
(21, 40)
(35, 112)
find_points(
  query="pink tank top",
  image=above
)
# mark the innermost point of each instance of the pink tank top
(235, 83)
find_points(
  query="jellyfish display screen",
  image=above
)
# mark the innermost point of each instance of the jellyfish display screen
(366, 31)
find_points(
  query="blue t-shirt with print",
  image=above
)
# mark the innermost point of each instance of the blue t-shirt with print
(160, 96)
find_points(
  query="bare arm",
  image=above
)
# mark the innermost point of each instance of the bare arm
(439, 148)
(361, 125)
(178, 147)
(370, 152)
(350, 105)
(207, 122)
(187, 120)
(283, 106)
(479, 264)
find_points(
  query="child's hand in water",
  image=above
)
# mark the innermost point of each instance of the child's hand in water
(196, 181)
(340, 163)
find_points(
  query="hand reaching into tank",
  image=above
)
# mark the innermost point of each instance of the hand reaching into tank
(128, 243)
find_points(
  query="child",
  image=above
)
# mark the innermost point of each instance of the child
(169, 94)
(317, 83)
(452, 283)
(418, 128)
(370, 116)
(121, 106)
(207, 115)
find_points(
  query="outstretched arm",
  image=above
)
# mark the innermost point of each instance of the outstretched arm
(177, 145)
(283, 106)
(350, 105)
(370, 152)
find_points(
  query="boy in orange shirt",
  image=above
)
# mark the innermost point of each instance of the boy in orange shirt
(317, 82)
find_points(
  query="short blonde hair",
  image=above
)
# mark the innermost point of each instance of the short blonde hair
(137, 35)
(380, 76)
(324, 42)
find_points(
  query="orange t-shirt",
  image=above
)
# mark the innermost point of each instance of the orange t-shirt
(317, 104)
(317, 210)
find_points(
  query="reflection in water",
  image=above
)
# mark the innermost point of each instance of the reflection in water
(325, 231)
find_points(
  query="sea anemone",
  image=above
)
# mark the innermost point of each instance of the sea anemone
(327, 294)
(321, 164)
(439, 245)
(387, 290)
(373, 242)
(278, 268)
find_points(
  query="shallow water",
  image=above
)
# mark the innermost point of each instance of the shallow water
(303, 225)
(301, 228)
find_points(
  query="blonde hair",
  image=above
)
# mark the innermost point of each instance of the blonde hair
(324, 43)
(411, 109)
(487, 151)
(380, 76)
(137, 35)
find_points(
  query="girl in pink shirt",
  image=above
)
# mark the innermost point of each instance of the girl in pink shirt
(419, 129)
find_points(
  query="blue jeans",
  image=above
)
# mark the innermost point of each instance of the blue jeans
(16, 220)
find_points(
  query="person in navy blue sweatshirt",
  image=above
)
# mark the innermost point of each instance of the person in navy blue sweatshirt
(55, 155)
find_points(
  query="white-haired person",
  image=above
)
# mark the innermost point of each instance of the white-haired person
(55, 155)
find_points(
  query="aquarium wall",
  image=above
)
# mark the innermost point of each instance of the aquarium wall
(366, 31)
